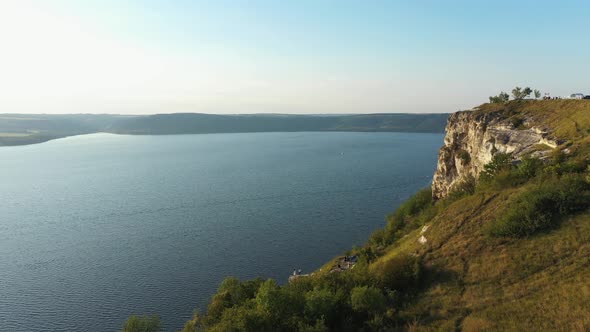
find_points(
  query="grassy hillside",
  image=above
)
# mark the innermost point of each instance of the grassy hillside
(537, 283)
(508, 253)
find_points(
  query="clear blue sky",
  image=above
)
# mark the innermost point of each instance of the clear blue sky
(286, 56)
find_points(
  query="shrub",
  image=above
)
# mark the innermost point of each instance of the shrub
(572, 194)
(536, 212)
(368, 254)
(541, 207)
(231, 292)
(464, 156)
(399, 273)
(463, 188)
(500, 173)
(559, 166)
(506, 179)
(194, 324)
(219, 302)
(500, 162)
(394, 225)
(416, 204)
(577, 165)
(377, 238)
(367, 299)
(529, 167)
(321, 304)
(235, 292)
(142, 324)
(268, 295)
(278, 302)
(517, 122)
(318, 326)
(243, 318)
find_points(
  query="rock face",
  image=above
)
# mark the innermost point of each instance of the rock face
(473, 137)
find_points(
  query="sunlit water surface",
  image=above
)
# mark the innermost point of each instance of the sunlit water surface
(95, 228)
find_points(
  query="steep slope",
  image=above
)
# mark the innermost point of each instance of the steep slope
(478, 283)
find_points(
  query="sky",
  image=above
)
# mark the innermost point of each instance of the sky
(304, 56)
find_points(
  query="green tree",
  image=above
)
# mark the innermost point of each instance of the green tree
(278, 303)
(537, 94)
(377, 238)
(319, 326)
(269, 296)
(142, 324)
(367, 299)
(529, 167)
(234, 289)
(217, 306)
(526, 92)
(500, 98)
(500, 162)
(321, 303)
(519, 93)
(243, 318)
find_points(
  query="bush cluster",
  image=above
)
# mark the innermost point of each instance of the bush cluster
(503, 173)
(542, 207)
(399, 273)
(351, 301)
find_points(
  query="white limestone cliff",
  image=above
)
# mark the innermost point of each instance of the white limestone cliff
(473, 137)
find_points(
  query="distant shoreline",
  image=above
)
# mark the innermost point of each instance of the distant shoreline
(40, 140)
(25, 129)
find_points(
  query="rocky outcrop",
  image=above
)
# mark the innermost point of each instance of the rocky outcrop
(473, 137)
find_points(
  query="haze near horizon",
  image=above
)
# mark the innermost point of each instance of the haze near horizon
(143, 57)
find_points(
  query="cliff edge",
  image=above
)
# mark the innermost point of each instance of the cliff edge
(520, 128)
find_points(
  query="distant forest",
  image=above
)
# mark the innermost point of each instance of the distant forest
(21, 129)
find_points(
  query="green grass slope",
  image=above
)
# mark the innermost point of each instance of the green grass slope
(479, 283)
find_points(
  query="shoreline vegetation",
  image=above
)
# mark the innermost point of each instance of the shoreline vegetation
(508, 251)
(25, 129)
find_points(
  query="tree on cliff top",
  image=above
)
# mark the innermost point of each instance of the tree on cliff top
(519, 93)
(501, 98)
